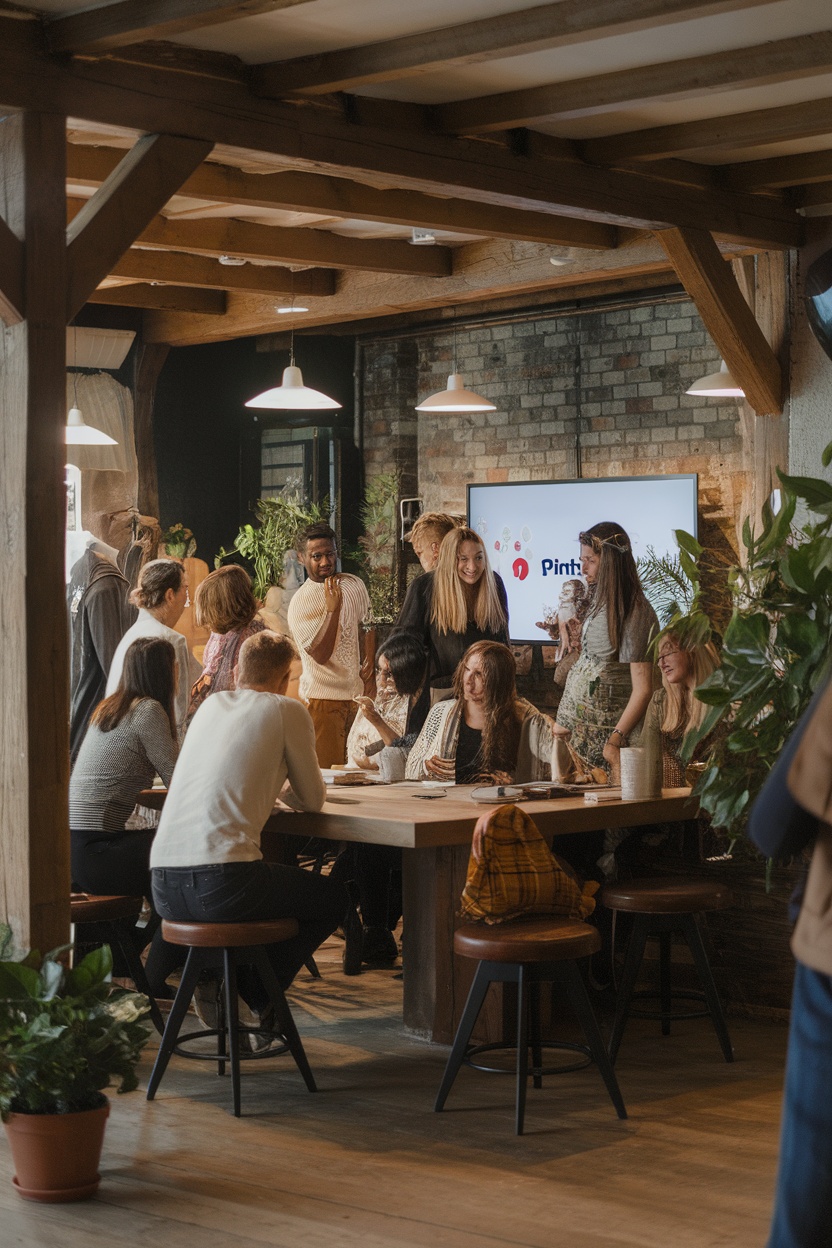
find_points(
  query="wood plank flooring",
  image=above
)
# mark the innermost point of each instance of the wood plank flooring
(365, 1163)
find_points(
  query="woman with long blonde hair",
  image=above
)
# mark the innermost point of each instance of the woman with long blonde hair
(461, 602)
(675, 710)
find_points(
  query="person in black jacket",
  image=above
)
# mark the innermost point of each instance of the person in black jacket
(99, 616)
(461, 602)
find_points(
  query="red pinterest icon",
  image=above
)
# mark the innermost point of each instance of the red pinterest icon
(520, 569)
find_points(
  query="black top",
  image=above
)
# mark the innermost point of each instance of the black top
(468, 754)
(444, 649)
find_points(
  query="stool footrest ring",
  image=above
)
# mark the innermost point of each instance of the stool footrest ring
(502, 1045)
(180, 1051)
(680, 1016)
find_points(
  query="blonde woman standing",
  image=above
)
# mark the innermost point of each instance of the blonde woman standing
(461, 602)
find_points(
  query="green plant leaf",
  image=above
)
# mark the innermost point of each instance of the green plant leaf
(826, 457)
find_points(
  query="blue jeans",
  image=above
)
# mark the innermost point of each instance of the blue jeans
(803, 1200)
(231, 892)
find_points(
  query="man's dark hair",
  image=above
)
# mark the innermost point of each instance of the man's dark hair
(312, 533)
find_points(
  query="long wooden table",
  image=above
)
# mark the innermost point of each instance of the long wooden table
(435, 835)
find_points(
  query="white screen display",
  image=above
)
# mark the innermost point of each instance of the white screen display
(530, 530)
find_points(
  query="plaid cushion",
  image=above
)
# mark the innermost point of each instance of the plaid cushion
(512, 872)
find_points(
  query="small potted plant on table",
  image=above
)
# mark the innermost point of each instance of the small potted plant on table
(64, 1034)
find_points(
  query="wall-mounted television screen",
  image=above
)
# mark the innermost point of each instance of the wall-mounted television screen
(530, 530)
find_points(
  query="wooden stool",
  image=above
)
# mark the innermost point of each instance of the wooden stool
(661, 907)
(528, 953)
(228, 945)
(113, 915)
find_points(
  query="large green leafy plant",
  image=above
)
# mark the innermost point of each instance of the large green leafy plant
(776, 646)
(64, 1034)
(376, 554)
(265, 546)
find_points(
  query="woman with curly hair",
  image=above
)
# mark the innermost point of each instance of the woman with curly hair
(485, 730)
(225, 604)
(461, 602)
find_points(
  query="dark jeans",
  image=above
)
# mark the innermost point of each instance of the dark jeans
(376, 871)
(116, 863)
(241, 891)
(803, 1201)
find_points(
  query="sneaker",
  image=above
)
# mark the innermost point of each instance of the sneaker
(378, 944)
(206, 1003)
(259, 1041)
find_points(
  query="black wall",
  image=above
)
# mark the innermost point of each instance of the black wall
(207, 441)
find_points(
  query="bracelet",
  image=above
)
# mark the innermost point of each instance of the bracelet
(616, 732)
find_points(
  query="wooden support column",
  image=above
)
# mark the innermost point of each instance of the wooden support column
(728, 319)
(149, 361)
(34, 657)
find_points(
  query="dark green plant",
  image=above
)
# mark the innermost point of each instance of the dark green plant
(775, 649)
(669, 590)
(64, 1034)
(376, 553)
(265, 546)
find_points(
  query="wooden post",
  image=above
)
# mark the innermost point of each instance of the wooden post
(34, 657)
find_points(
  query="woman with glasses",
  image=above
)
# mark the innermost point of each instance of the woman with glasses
(400, 674)
(161, 596)
(608, 690)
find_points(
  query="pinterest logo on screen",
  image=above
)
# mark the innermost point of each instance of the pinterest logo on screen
(520, 568)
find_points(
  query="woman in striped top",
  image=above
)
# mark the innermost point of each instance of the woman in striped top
(131, 737)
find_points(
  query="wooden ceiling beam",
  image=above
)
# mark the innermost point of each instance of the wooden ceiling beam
(341, 198)
(162, 298)
(798, 170)
(755, 129)
(728, 319)
(318, 140)
(816, 199)
(183, 269)
(779, 61)
(222, 236)
(129, 21)
(111, 220)
(12, 302)
(506, 34)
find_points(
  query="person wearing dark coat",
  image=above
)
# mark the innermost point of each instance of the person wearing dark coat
(99, 616)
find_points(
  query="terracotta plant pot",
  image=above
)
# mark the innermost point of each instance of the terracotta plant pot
(56, 1155)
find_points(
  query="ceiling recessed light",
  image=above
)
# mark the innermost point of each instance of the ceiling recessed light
(293, 307)
(233, 261)
(422, 238)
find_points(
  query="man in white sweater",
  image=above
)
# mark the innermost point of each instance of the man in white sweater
(327, 617)
(206, 861)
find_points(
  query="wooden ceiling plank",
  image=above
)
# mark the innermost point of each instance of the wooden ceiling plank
(110, 221)
(711, 284)
(339, 197)
(778, 61)
(321, 141)
(316, 247)
(758, 128)
(529, 30)
(798, 170)
(818, 195)
(184, 269)
(12, 302)
(163, 298)
(129, 21)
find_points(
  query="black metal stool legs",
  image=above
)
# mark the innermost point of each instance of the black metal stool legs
(470, 1014)
(184, 995)
(703, 966)
(632, 962)
(283, 1016)
(582, 1006)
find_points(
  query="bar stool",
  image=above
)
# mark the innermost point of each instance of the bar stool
(661, 907)
(228, 946)
(527, 953)
(113, 914)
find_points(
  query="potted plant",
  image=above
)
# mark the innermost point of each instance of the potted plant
(178, 542)
(64, 1034)
(775, 648)
(266, 546)
(378, 545)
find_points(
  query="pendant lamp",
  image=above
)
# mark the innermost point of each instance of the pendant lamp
(721, 385)
(456, 398)
(78, 433)
(292, 395)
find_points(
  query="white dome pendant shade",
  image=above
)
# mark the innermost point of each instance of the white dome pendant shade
(78, 433)
(721, 385)
(456, 399)
(293, 396)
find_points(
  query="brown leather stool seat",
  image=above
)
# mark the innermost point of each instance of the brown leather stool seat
(228, 946)
(661, 907)
(528, 952)
(115, 916)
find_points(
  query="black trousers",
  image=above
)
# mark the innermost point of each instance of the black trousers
(231, 892)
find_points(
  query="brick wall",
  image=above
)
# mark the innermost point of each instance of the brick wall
(615, 376)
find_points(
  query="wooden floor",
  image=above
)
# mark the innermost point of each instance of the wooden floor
(365, 1163)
